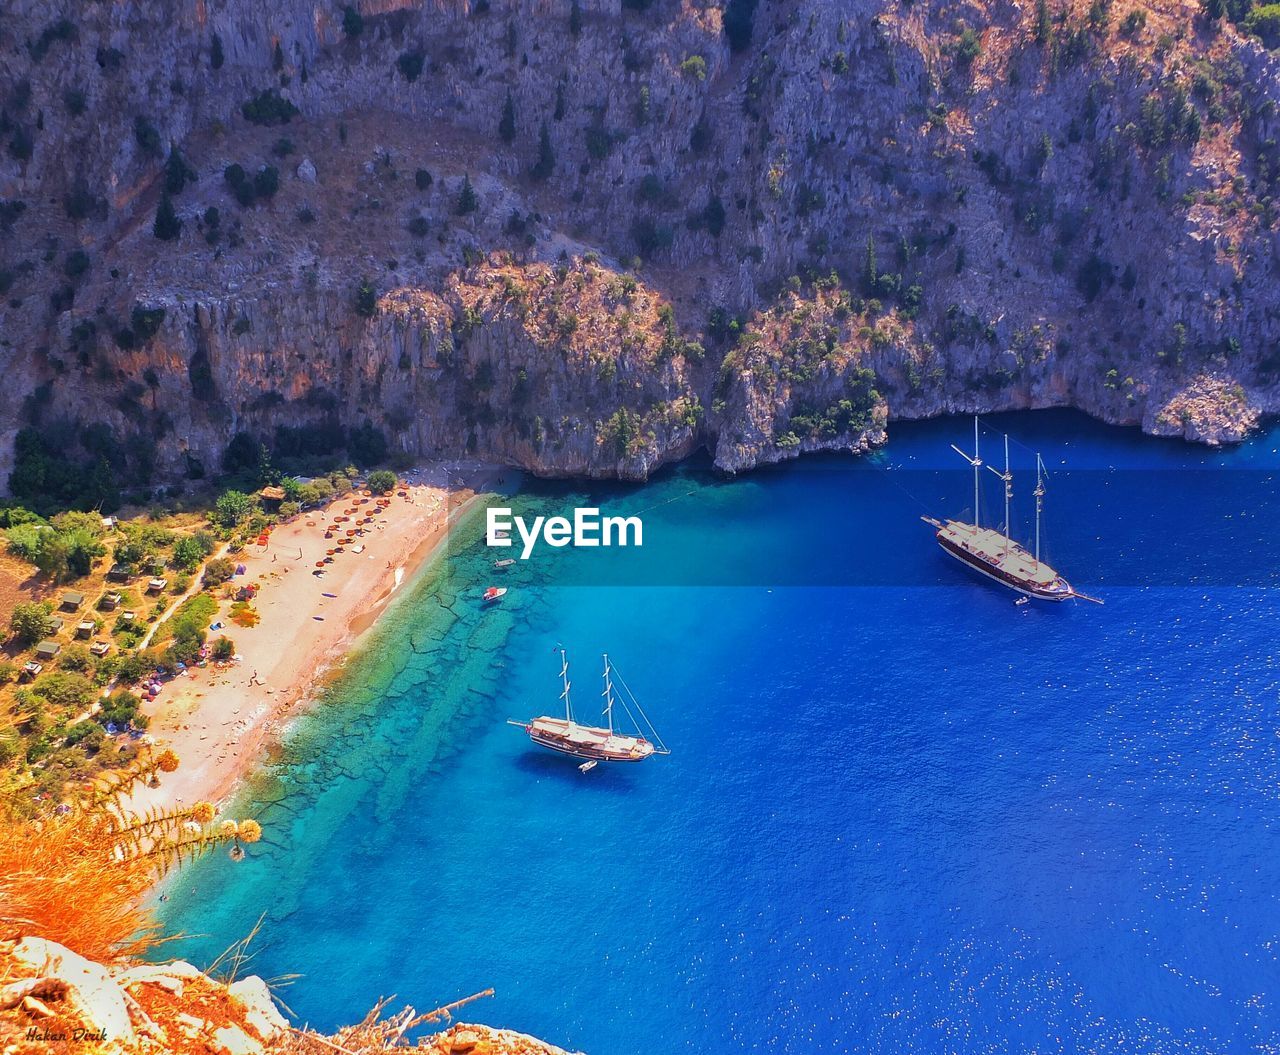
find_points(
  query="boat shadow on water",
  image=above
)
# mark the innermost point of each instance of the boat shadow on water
(611, 777)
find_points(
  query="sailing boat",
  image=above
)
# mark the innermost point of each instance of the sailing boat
(993, 553)
(597, 743)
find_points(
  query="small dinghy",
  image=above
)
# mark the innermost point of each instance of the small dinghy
(494, 593)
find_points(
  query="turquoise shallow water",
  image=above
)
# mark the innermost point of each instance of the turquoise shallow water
(901, 813)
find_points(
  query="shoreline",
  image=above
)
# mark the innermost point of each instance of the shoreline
(224, 721)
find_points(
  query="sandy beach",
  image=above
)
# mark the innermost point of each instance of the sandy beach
(221, 720)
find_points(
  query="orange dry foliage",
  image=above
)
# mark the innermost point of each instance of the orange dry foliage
(65, 879)
(78, 877)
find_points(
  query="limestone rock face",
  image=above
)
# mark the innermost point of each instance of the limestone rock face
(174, 1009)
(260, 1010)
(98, 1000)
(1012, 221)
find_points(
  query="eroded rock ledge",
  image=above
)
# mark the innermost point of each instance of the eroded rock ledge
(55, 1001)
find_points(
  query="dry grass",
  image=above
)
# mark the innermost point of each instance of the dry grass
(78, 878)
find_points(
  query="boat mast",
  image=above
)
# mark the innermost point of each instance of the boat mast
(1039, 493)
(608, 694)
(1007, 478)
(1008, 490)
(564, 677)
(976, 462)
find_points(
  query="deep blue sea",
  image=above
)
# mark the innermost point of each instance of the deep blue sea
(901, 813)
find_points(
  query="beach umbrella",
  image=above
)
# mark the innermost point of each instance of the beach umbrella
(319, 564)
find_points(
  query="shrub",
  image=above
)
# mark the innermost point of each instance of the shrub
(189, 551)
(223, 649)
(507, 123)
(266, 182)
(75, 658)
(422, 179)
(232, 508)
(352, 21)
(147, 136)
(177, 173)
(694, 66)
(75, 101)
(64, 689)
(218, 571)
(546, 163)
(410, 65)
(269, 108)
(167, 226)
(31, 621)
(121, 709)
(366, 300)
(382, 481)
(1264, 23)
(467, 200)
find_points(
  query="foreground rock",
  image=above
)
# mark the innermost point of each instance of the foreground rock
(55, 1001)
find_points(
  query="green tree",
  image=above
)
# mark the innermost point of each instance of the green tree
(167, 226)
(26, 540)
(82, 548)
(366, 300)
(382, 481)
(190, 550)
(232, 508)
(467, 200)
(546, 163)
(218, 571)
(177, 173)
(410, 65)
(575, 18)
(507, 125)
(31, 621)
(1044, 26)
(352, 21)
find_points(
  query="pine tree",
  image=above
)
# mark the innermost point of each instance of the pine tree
(507, 126)
(366, 300)
(177, 173)
(575, 18)
(467, 200)
(869, 269)
(546, 163)
(1044, 27)
(167, 226)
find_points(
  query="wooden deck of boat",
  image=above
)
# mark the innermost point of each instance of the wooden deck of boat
(992, 547)
(590, 738)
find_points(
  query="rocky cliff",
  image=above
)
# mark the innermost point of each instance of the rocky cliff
(54, 1001)
(588, 237)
